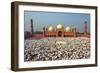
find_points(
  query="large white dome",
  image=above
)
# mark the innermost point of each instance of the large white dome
(50, 29)
(59, 26)
(68, 29)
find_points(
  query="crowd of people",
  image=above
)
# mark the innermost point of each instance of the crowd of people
(46, 49)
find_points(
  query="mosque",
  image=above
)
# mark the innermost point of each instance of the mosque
(59, 31)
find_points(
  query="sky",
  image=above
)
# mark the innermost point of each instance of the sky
(41, 19)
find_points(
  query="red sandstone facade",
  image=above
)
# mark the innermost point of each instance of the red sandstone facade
(59, 33)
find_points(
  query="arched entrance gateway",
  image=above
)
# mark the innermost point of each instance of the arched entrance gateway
(59, 33)
(59, 30)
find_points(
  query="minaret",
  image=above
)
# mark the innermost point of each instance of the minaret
(44, 31)
(74, 30)
(31, 26)
(85, 27)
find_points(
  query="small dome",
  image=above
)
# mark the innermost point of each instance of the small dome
(50, 29)
(68, 29)
(59, 26)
